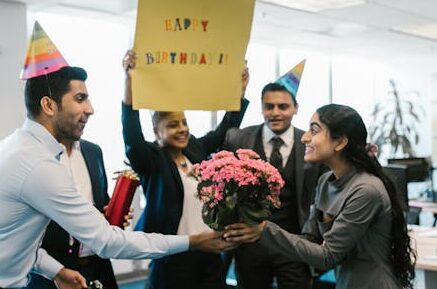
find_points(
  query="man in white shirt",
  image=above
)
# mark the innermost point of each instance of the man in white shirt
(35, 187)
(84, 162)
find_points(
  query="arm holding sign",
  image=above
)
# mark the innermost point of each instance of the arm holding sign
(245, 77)
(139, 151)
(129, 62)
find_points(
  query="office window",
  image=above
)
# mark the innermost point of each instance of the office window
(359, 83)
(261, 61)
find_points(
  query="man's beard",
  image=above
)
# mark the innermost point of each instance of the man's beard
(66, 134)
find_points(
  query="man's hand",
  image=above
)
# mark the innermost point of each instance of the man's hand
(128, 217)
(243, 233)
(244, 81)
(69, 279)
(210, 242)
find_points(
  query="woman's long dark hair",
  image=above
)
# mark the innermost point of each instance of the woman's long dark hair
(344, 121)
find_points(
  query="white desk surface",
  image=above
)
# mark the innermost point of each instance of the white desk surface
(426, 206)
(425, 240)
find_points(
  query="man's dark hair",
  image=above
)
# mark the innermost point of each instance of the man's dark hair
(53, 85)
(273, 86)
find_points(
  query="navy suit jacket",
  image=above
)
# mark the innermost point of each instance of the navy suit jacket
(56, 240)
(160, 179)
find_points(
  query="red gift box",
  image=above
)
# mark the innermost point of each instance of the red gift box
(124, 190)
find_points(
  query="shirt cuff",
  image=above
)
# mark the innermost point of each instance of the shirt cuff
(46, 265)
(178, 243)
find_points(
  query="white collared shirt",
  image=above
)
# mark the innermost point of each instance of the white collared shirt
(34, 188)
(76, 166)
(285, 150)
(191, 221)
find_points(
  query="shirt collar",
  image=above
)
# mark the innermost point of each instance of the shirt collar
(287, 136)
(339, 183)
(75, 146)
(43, 136)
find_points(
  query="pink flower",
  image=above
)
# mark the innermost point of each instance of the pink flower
(223, 154)
(247, 154)
(228, 181)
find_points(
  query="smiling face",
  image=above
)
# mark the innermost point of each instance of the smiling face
(172, 131)
(278, 110)
(319, 146)
(73, 112)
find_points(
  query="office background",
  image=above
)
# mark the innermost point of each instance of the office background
(353, 48)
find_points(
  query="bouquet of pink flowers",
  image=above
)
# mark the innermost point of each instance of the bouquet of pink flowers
(238, 187)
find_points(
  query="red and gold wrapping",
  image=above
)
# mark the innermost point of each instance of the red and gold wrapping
(124, 190)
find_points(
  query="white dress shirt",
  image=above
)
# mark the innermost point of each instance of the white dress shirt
(191, 221)
(78, 170)
(76, 166)
(34, 188)
(285, 150)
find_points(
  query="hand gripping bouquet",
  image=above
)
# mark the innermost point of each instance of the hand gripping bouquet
(124, 190)
(238, 187)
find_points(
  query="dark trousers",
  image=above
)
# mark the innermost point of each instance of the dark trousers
(94, 268)
(188, 270)
(257, 265)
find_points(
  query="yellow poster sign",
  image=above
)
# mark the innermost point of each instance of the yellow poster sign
(190, 54)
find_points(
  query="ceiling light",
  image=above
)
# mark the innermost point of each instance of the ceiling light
(424, 30)
(315, 5)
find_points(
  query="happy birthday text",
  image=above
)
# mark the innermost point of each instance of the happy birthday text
(186, 24)
(173, 57)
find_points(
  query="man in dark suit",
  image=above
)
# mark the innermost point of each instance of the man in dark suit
(277, 141)
(85, 162)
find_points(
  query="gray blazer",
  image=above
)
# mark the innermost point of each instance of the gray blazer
(356, 239)
(306, 174)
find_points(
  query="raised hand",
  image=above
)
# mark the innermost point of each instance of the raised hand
(69, 279)
(245, 77)
(129, 62)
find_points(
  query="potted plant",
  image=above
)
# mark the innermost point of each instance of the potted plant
(396, 122)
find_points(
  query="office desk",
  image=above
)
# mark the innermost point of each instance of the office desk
(424, 205)
(426, 253)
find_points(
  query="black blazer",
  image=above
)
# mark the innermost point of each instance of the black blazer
(56, 240)
(159, 175)
(306, 174)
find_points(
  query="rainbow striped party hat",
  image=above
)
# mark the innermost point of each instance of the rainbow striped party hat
(42, 56)
(292, 78)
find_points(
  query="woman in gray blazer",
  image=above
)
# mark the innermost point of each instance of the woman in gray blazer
(356, 224)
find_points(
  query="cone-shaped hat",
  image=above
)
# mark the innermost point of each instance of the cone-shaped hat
(292, 78)
(42, 56)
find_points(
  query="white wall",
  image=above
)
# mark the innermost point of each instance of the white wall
(13, 38)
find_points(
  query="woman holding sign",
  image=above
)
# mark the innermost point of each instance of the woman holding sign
(164, 167)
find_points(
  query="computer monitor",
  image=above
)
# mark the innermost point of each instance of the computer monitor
(398, 175)
(418, 169)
